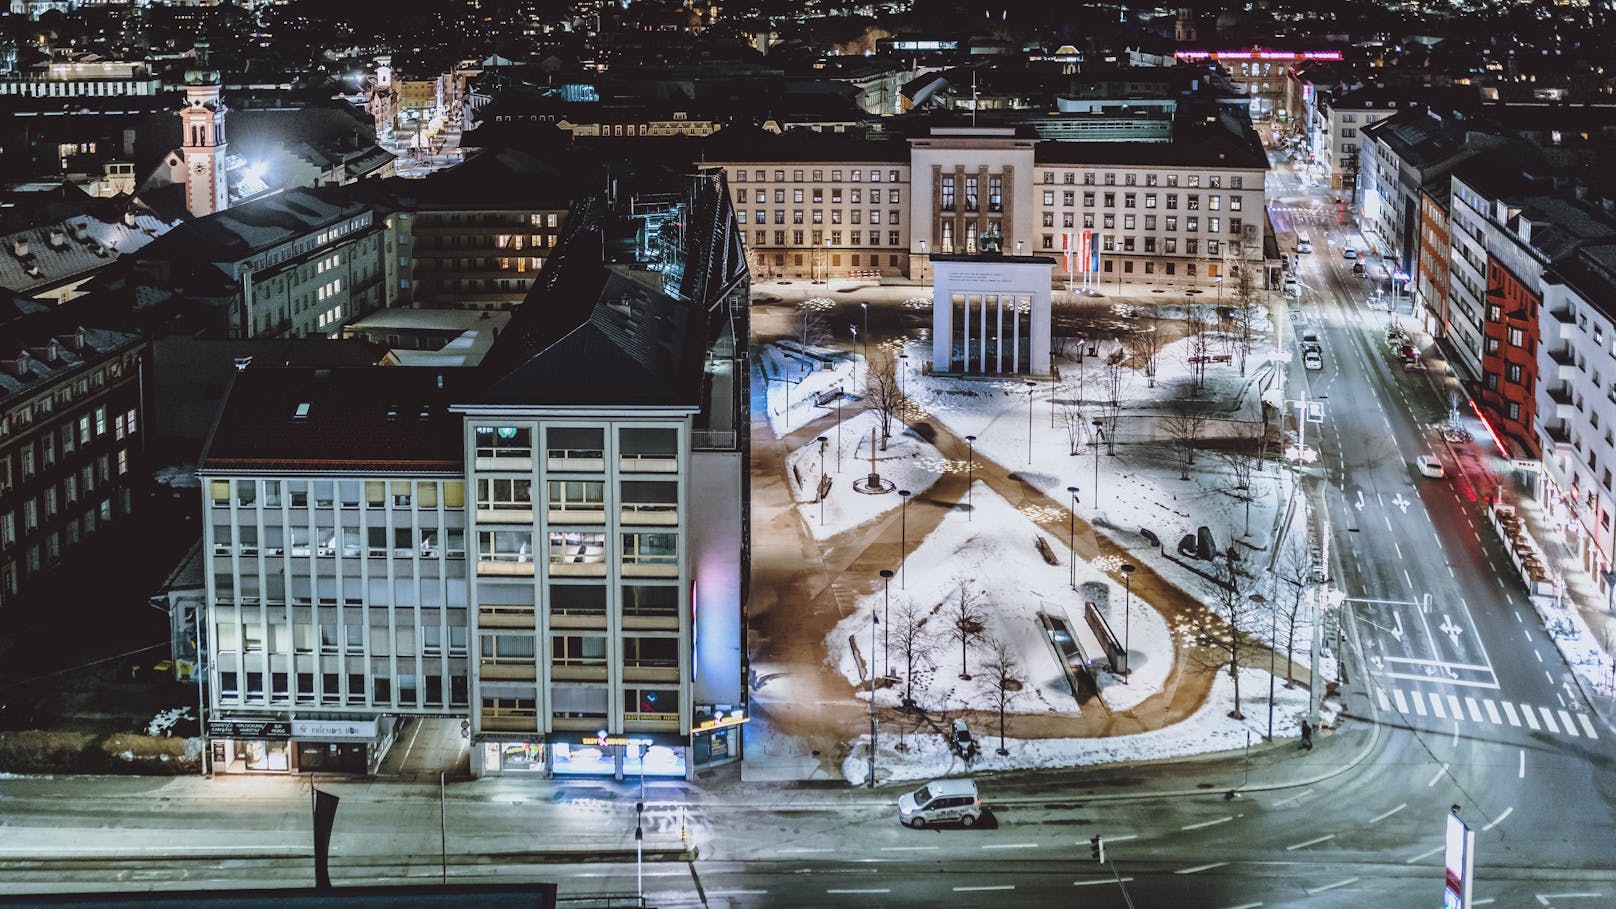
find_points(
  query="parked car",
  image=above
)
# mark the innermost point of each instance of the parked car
(1312, 360)
(1349, 253)
(941, 801)
(1429, 466)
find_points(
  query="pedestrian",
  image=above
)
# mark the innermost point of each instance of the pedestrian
(1307, 736)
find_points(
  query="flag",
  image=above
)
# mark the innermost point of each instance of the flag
(1066, 252)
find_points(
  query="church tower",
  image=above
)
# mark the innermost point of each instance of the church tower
(202, 145)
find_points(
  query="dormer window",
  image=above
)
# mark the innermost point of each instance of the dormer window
(301, 412)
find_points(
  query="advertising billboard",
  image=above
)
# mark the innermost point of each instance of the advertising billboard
(1458, 857)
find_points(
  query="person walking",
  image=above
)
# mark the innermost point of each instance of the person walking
(1307, 736)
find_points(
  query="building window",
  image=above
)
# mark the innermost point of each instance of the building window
(505, 442)
(1517, 337)
(505, 546)
(1512, 373)
(507, 649)
(995, 194)
(578, 650)
(651, 653)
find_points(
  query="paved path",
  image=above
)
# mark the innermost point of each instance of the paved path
(803, 588)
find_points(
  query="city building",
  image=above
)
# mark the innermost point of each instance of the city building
(82, 78)
(72, 436)
(551, 546)
(1261, 75)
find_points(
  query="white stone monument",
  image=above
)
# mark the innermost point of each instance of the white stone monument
(990, 314)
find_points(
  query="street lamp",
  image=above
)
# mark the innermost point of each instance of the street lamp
(824, 269)
(821, 491)
(838, 432)
(1273, 636)
(866, 307)
(1097, 427)
(970, 477)
(903, 376)
(886, 617)
(903, 538)
(1031, 387)
(874, 621)
(1127, 611)
(1071, 534)
(923, 256)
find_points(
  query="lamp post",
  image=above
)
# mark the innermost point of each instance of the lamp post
(1127, 611)
(1071, 535)
(1273, 636)
(923, 256)
(903, 538)
(903, 376)
(970, 477)
(824, 268)
(821, 491)
(886, 619)
(874, 621)
(865, 305)
(1098, 424)
(1031, 387)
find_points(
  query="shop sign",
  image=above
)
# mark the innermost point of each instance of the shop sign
(1528, 465)
(649, 717)
(721, 720)
(249, 729)
(328, 730)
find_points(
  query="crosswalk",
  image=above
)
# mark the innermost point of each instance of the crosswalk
(1485, 711)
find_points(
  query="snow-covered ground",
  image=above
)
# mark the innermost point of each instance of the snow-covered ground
(909, 462)
(1207, 730)
(797, 379)
(992, 551)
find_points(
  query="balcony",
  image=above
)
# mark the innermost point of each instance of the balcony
(505, 617)
(656, 514)
(574, 460)
(525, 672)
(489, 568)
(509, 721)
(1563, 315)
(649, 463)
(1558, 432)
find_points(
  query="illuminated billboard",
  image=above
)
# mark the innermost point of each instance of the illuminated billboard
(1458, 860)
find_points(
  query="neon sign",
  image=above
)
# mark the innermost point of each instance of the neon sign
(1289, 56)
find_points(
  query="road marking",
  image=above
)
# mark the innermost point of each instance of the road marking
(1499, 819)
(798, 850)
(865, 890)
(1103, 880)
(1438, 775)
(1548, 676)
(1011, 846)
(1543, 898)
(1522, 774)
(1419, 703)
(1386, 814)
(1492, 712)
(1312, 842)
(1286, 803)
(1523, 622)
(1436, 705)
(1120, 838)
(1347, 882)
(1247, 906)
(980, 889)
(1529, 717)
(1388, 523)
(1405, 571)
(1528, 633)
(1402, 702)
(1424, 855)
(1565, 721)
(1384, 703)
(1538, 655)
(909, 848)
(1548, 720)
(1398, 548)
(737, 892)
(1587, 726)
(1204, 824)
(1199, 868)
(1454, 703)
(1509, 713)
(1475, 709)
(1486, 902)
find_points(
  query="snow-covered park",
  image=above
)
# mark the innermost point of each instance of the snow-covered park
(801, 380)
(989, 556)
(907, 463)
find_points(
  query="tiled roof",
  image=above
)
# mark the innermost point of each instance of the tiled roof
(37, 349)
(43, 257)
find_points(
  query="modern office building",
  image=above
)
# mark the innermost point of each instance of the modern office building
(551, 546)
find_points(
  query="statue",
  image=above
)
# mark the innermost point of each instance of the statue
(992, 240)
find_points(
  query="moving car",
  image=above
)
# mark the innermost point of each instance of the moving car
(941, 801)
(1312, 360)
(1357, 267)
(1304, 243)
(1429, 466)
(1349, 253)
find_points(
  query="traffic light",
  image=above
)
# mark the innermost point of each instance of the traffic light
(1097, 847)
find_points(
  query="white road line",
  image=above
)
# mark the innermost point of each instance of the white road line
(1568, 725)
(1424, 855)
(1523, 622)
(1510, 598)
(1011, 846)
(1522, 774)
(1205, 824)
(1402, 702)
(1587, 726)
(1398, 548)
(1419, 702)
(1545, 898)
(1548, 720)
(1405, 571)
(1386, 814)
(1509, 713)
(1247, 906)
(737, 892)
(1529, 717)
(909, 848)
(1438, 775)
(1312, 842)
(1436, 705)
(1538, 655)
(1103, 880)
(1120, 838)
(798, 850)
(1287, 802)
(1548, 676)
(1199, 868)
(865, 890)
(1450, 567)
(1499, 819)
(1486, 902)
(1475, 709)
(1528, 633)
(1381, 697)
(1492, 711)
(1454, 703)
(1347, 882)
(980, 889)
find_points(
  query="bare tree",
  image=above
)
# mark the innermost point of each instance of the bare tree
(1242, 454)
(914, 639)
(1144, 344)
(1221, 629)
(815, 329)
(1071, 419)
(1199, 349)
(1288, 608)
(1001, 678)
(1115, 376)
(1185, 424)
(963, 613)
(884, 394)
(1247, 314)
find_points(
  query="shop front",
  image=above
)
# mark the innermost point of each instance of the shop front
(242, 745)
(651, 754)
(716, 737)
(510, 758)
(250, 745)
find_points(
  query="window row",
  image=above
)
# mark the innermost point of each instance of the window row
(249, 687)
(346, 542)
(329, 493)
(1192, 202)
(576, 500)
(574, 448)
(303, 637)
(579, 650)
(855, 175)
(1090, 178)
(575, 599)
(582, 551)
(818, 196)
(817, 216)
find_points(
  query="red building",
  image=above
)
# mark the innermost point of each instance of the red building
(1509, 359)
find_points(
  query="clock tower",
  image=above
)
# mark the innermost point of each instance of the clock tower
(202, 147)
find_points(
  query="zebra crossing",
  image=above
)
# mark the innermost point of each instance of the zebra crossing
(1485, 711)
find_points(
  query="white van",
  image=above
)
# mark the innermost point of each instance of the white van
(1304, 243)
(941, 801)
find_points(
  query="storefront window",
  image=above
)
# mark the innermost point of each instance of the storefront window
(660, 760)
(514, 757)
(567, 759)
(266, 756)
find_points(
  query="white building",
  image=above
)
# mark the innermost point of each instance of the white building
(84, 78)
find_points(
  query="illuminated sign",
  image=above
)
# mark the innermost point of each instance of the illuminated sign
(1278, 56)
(722, 720)
(1457, 863)
(602, 740)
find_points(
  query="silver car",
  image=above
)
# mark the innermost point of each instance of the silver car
(941, 801)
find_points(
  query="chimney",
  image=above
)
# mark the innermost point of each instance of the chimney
(128, 218)
(19, 247)
(81, 230)
(58, 239)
